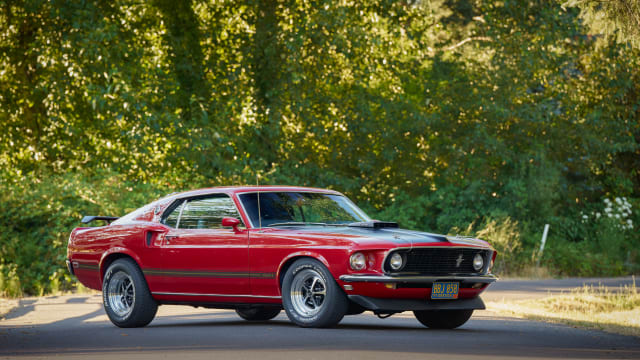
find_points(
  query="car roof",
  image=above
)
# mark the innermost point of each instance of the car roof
(232, 190)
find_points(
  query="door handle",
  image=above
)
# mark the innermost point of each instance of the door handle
(169, 237)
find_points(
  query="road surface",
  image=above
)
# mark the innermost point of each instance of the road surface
(76, 327)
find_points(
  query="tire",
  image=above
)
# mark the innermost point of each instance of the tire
(258, 313)
(311, 297)
(125, 295)
(443, 319)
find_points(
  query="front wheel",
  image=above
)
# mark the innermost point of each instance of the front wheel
(258, 313)
(443, 319)
(311, 297)
(125, 295)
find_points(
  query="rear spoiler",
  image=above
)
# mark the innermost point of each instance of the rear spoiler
(88, 219)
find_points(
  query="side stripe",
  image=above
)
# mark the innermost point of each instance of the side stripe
(212, 274)
(87, 266)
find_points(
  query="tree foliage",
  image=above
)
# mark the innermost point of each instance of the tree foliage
(438, 114)
(619, 19)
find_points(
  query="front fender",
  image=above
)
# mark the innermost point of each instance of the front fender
(309, 254)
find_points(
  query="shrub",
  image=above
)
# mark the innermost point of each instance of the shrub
(39, 214)
(504, 235)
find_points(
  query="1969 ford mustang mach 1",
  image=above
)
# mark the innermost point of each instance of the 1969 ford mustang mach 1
(261, 249)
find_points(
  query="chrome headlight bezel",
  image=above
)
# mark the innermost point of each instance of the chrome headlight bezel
(357, 261)
(478, 262)
(397, 259)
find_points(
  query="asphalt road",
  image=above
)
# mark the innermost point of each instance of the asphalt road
(77, 327)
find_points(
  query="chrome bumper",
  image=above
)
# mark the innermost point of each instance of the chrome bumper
(418, 279)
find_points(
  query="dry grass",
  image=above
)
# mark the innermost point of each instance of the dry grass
(81, 289)
(615, 310)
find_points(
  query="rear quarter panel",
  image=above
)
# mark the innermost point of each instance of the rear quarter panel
(91, 250)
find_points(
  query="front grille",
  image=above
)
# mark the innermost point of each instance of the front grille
(439, 261)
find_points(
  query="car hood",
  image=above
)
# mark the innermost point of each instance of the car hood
(371, 236)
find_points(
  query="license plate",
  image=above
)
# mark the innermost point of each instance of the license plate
(444, 290)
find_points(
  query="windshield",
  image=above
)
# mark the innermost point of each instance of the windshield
(300, 208)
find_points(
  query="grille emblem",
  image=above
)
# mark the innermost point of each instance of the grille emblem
(459, 261)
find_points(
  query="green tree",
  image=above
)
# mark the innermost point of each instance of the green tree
(619, 19)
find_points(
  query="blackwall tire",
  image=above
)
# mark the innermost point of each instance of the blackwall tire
(258, 313)
(311, 297)
(443, 319)
(125, 295)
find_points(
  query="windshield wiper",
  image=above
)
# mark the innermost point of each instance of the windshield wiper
(295, 223)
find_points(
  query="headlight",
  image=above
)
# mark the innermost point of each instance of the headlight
(396, 261)
(357, 261)
(478, 262)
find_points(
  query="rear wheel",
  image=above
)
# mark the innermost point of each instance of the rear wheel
(311, 297)
(125, 295)
(260, 313)
(443, 319)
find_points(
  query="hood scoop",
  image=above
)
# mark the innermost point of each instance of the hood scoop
(375, 224)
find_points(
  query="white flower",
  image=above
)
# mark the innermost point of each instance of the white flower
(618, 200)
(630, 222)
(607, 210)
(624, 214)
(597, 215)
(607, 201)
(617, 216)
(585, 217)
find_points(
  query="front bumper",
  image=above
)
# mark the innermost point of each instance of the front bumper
(485, 279)
(399, 305)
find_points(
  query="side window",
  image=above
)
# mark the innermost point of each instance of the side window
(172, 218)
(207, 213)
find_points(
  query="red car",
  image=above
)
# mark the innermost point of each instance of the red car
(258, 250)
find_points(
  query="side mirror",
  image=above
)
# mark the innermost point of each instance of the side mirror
(232, 222)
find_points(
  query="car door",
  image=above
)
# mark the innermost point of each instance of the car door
(199, 256)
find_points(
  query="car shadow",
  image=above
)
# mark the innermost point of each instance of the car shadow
(77, 300)
(24, 307)
(175, 322)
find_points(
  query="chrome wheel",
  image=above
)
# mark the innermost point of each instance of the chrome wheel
(121, 294)
(308, 292)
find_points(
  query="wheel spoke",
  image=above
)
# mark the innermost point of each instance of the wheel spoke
(320, 292)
